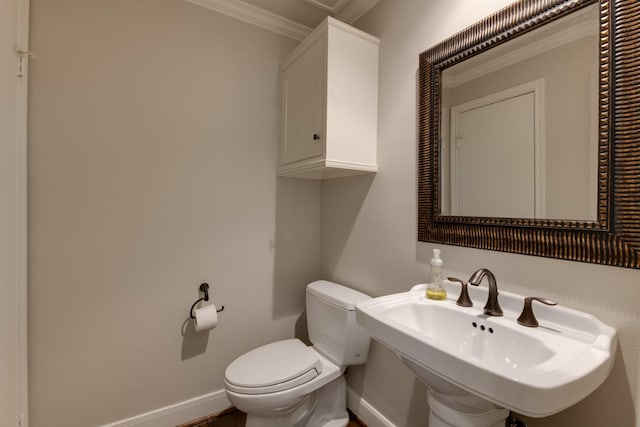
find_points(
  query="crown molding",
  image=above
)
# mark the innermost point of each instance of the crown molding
(254, 15)
(333, 10)
(354, 9)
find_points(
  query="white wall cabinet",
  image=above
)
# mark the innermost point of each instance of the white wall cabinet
(330, 101)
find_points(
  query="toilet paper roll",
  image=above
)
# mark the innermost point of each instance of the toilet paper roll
(205, 318)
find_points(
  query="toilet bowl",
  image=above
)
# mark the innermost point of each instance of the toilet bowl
(287, 383)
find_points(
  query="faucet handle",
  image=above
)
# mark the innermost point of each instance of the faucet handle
(463, 299)
(527, 318)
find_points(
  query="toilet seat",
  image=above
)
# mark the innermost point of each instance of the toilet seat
(274, 367)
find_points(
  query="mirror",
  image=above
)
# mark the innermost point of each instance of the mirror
(516, 118)
(528, 140)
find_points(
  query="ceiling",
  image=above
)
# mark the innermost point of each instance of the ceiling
(293, 18)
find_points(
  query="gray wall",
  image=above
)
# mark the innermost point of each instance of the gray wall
(369, 234)
(154, 129)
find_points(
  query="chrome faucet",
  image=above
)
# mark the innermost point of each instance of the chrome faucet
(492, 308)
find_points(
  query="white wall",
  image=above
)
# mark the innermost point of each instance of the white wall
(154, 127)
(369, 234)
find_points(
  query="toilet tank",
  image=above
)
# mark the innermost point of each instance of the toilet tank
(331, 320)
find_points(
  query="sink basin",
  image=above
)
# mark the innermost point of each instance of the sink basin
(456, 350)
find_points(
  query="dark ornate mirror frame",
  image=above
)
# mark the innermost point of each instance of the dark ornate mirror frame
(614, 238)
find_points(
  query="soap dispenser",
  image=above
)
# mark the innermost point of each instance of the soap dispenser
(435, 287)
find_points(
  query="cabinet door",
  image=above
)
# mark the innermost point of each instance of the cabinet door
(303, 85)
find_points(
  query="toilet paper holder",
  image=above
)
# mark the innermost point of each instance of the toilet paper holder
(204, 288)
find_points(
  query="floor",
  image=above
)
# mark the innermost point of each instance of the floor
(234, 418)
(229, 418)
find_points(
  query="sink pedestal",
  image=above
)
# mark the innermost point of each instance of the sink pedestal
(452, 406)
(445, 413)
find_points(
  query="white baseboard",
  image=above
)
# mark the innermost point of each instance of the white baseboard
(367, 413)
(201, 406)
(178, 413)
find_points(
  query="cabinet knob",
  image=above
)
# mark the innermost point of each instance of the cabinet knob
(316, 137)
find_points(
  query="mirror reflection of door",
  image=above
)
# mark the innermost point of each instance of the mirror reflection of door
(564, 55)
(494, 137)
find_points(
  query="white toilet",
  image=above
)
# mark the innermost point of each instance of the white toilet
(287, 383)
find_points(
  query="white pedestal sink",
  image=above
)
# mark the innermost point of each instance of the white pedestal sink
(478, 366)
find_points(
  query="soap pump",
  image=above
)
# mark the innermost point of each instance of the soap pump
(435, 286)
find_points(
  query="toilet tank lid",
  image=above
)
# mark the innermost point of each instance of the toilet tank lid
(338, 295)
